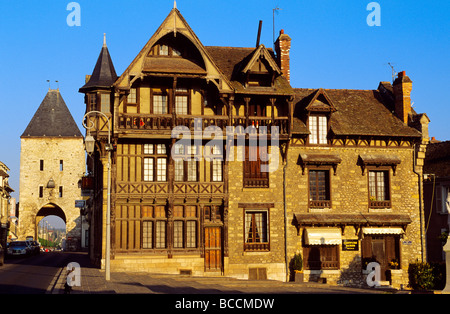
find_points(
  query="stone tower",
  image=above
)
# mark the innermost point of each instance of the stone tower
(52, 162)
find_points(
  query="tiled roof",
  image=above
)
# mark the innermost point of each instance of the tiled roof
(232, 60)
(52, 119)
(358, 112)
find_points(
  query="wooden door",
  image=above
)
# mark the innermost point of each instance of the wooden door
(379, 253)
(213, 249)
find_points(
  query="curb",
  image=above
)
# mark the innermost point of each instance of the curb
(52, 288)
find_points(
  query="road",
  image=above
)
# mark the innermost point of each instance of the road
(31, 275)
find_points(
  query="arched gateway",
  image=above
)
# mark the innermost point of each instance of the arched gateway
(52, 162)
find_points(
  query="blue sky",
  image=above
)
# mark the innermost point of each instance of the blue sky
(332, 47)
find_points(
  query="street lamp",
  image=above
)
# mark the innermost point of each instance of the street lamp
(89, 143)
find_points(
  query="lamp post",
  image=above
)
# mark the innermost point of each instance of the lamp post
(90, 147)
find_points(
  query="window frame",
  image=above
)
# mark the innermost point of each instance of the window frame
(255, 246)
(163, 93)
(156, 220)
(330, 252)
(374, 201)
(188, 160)
(319, 140)
(155, 155)
(186, 239)
(253, 177)
(136, 104)
(317, 203)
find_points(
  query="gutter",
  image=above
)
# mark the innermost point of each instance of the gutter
(419, 177)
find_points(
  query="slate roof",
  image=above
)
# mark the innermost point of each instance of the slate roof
(104, 74)
(52, 119)
(232, 60)
(358, 112)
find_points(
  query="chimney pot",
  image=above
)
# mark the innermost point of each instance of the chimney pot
(401, 74)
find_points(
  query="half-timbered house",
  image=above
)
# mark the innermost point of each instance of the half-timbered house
(221, 167)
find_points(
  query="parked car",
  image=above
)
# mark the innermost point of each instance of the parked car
(2, 255)
(19, 248)
(35, 247)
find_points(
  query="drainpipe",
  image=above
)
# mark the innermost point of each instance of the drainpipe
(285, 215)
(419, 177)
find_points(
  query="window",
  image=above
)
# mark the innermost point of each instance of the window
(185, 226)
(163, 50)
(61, 165)
(253, 176)
(321, 257)
(131, 98)
(319, 189)
(41, 192)
(41, 165)
(256, 231)
(60, 191)
(318, 129)
(185, 163)
(443, 199)
(155, 162)
(181, 101)
(92, 99)
(153, 227)
(379, 196)
(105, 103)
(160, 104)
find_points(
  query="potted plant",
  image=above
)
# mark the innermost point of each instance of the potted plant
(297, 266)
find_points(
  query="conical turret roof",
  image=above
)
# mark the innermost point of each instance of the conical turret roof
(104, 74)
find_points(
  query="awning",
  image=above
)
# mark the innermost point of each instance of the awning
(379, 160)
(319, 160)
(323, 236)
(381, 230)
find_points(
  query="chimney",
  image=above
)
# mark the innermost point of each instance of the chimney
(402, 96)
(282, 47)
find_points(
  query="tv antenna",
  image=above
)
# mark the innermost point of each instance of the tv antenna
(393, 72)
(273, 22)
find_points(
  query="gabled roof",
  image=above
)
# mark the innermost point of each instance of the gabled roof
(261, 52)
(358, 113)
(52, 119)
(234, 61)
(173, 24)
(104, 74)
(316, 104)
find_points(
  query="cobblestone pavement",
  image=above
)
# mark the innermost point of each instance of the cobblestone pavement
(93, 282)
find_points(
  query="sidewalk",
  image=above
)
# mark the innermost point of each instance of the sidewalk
(93, 282)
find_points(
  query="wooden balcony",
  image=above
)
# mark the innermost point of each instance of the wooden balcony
(256, 182)
(166, 122)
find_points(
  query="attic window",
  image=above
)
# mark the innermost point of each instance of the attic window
(318, 128)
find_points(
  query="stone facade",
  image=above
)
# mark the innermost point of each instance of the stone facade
(33, 206)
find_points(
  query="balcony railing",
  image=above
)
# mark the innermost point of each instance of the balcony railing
(319, 204)
(380, 204)
(165, 122)
(256, 182)
(257, 247)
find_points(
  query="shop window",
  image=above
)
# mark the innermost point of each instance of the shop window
(317, 257)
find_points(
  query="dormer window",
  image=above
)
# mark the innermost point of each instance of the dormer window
(318, 128)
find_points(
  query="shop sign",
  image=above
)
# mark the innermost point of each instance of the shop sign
(350, 245)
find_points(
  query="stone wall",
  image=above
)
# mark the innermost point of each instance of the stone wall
(51, 151)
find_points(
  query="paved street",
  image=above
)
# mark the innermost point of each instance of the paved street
(30, 275)
(93, 282)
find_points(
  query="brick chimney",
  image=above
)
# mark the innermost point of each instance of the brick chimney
(402, 95)
(282, 47)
